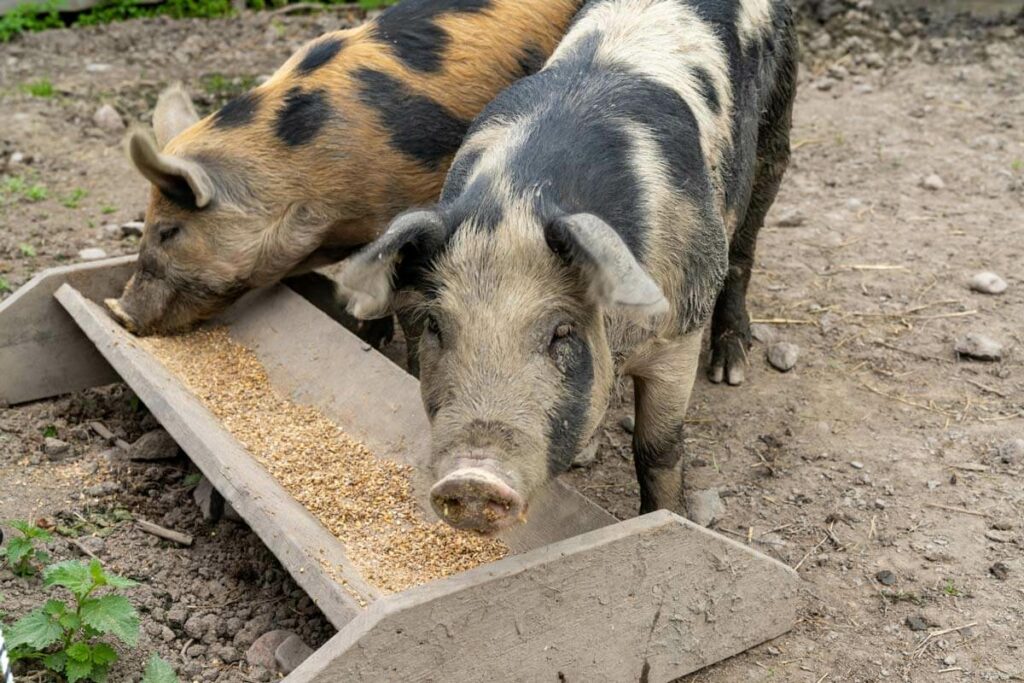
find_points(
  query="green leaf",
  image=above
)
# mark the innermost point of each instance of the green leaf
(80, 652)
(18, 549)
(158, 671)
(37, 630)
(77, 671)
(102, 578)
(55, 608)
(103, 655)
(112, 614)
(99, 672)
(55, 662)
(21, 525)
(72, 575)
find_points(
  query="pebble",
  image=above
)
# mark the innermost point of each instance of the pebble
(94, 544)
(950, 660)
(825, 84)
(873, 60)
(1012, 452)
(291, 653)
(56, 449)
(916, 623)
(587, 456)
(856, 464)
(111, 230)
(793, 218)
(886, 578)
(106, 488)
(979, 347)
(132, 229)
(92, 254)
(704, 507)
(154, 445)
(1003, 525)
(1000, 570)
(628, 424)
(933, 182)
(262, 651)
(987, 283)
(107, 118)
(999, 536)
(783, 356)
(97, 68)
(762, 333)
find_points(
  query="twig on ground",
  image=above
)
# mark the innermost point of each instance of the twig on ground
(782, 321)
(916, 354)
(935, 634)
(81, 548)
(949, 508)
(986, 388)
(161, 532)
(810, 552)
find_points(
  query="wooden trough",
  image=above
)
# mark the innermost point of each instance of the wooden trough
(583, 597)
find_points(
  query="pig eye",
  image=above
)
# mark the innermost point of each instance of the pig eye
(169, 232)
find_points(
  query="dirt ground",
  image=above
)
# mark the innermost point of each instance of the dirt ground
(882, 451)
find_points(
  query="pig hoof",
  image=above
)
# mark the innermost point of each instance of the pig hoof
(728, 361)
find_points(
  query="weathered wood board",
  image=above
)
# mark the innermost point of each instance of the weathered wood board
(649, 599)
(43, 353)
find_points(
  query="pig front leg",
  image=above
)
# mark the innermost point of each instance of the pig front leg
(663, 377)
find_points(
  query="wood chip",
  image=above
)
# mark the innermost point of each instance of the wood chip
(367, 502)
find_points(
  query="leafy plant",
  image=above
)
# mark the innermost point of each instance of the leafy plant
(75, 198)
(5, 286)
(951, 590)
(50, 431)
(158, 671)
(41, 88)
(27, 250)
(29, 17)
(21, 552)
(107, 209)
(65, 638)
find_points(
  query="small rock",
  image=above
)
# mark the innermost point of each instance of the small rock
(587, 456)
(774, 651)
(886, 578)
(106, 488)
(873, 60)
(132, 229)
(92, 254)
(765, 334)
(979, 347)
(628, 424)
(154, 445)
(856, 464)
(97, 68)
(933, 182)
(261, 652)
(999, 536)
(704, 507)
(783, 356)
(17, 158)
(793, 218)
(916, 623)
(950, 660)
(822, 41)
(1011, 452)
(291, 653)
(110, 230)
(825, 84)
(107, 118)
(1000, 570)
(987, 283)
(880, 504)
(56, 449)
(94, 544)
(209, 500)
(1003, 525)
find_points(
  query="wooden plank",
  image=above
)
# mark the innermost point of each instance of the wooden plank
(648, 599)
(298, 539)
(377, 402)
(42, 351)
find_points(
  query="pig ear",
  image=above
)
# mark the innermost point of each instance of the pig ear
(182, 180)
(618, 281)
(174, 113)
(371, 277)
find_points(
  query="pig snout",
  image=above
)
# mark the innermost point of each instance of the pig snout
(477, 499)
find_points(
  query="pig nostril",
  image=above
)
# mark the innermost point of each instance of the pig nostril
(451, 509)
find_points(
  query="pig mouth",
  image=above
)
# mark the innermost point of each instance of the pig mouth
(476, 499)
(120, 315)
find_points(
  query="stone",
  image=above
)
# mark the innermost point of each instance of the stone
(110, 230)
(55, 449)
(783, 356)
(195, 627)
(1000, 570)
(106, 488)
(1011, 452)
(886, 578)
(987, 283)
(209, 500)
(262, 651)
(873, 60)
(94, 544)
(132, 229)
(107, 118)
(915, 623)
(704, 507)
(291, 653)
(792, 218)
(762, 333)
(979, 347)
(587, 456)
(92, 254)
(933, 182)
(97, 68)
(856, 464)
(1000, 536)
(628, 424)
(950, 660)
(154, 445)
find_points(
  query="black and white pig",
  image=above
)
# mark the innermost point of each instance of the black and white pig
(593, 216)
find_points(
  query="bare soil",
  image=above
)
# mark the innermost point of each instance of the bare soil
(881, 451)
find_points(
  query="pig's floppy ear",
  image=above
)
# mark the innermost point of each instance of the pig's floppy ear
(617, 280)
(183, 180)
(174, 113)
(371, 277)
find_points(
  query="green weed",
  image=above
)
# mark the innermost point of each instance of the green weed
(29, 17)
(73, 200)
(41, 88)
(21, 553)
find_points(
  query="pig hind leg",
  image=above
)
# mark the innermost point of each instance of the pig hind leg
(730, 324)
(663, 378)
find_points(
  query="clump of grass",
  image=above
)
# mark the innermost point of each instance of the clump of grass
(41, 88)
(29, 17)
(73, 200)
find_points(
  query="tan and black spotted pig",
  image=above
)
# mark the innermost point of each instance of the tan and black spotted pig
(355, 127)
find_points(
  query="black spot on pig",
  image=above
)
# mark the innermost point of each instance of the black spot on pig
(238, 112)
(302, 116)
(707, 89)
(410, 28)
(478, 202)
(318, 55)
(418, 126)
(565, 428)
(532, 60)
